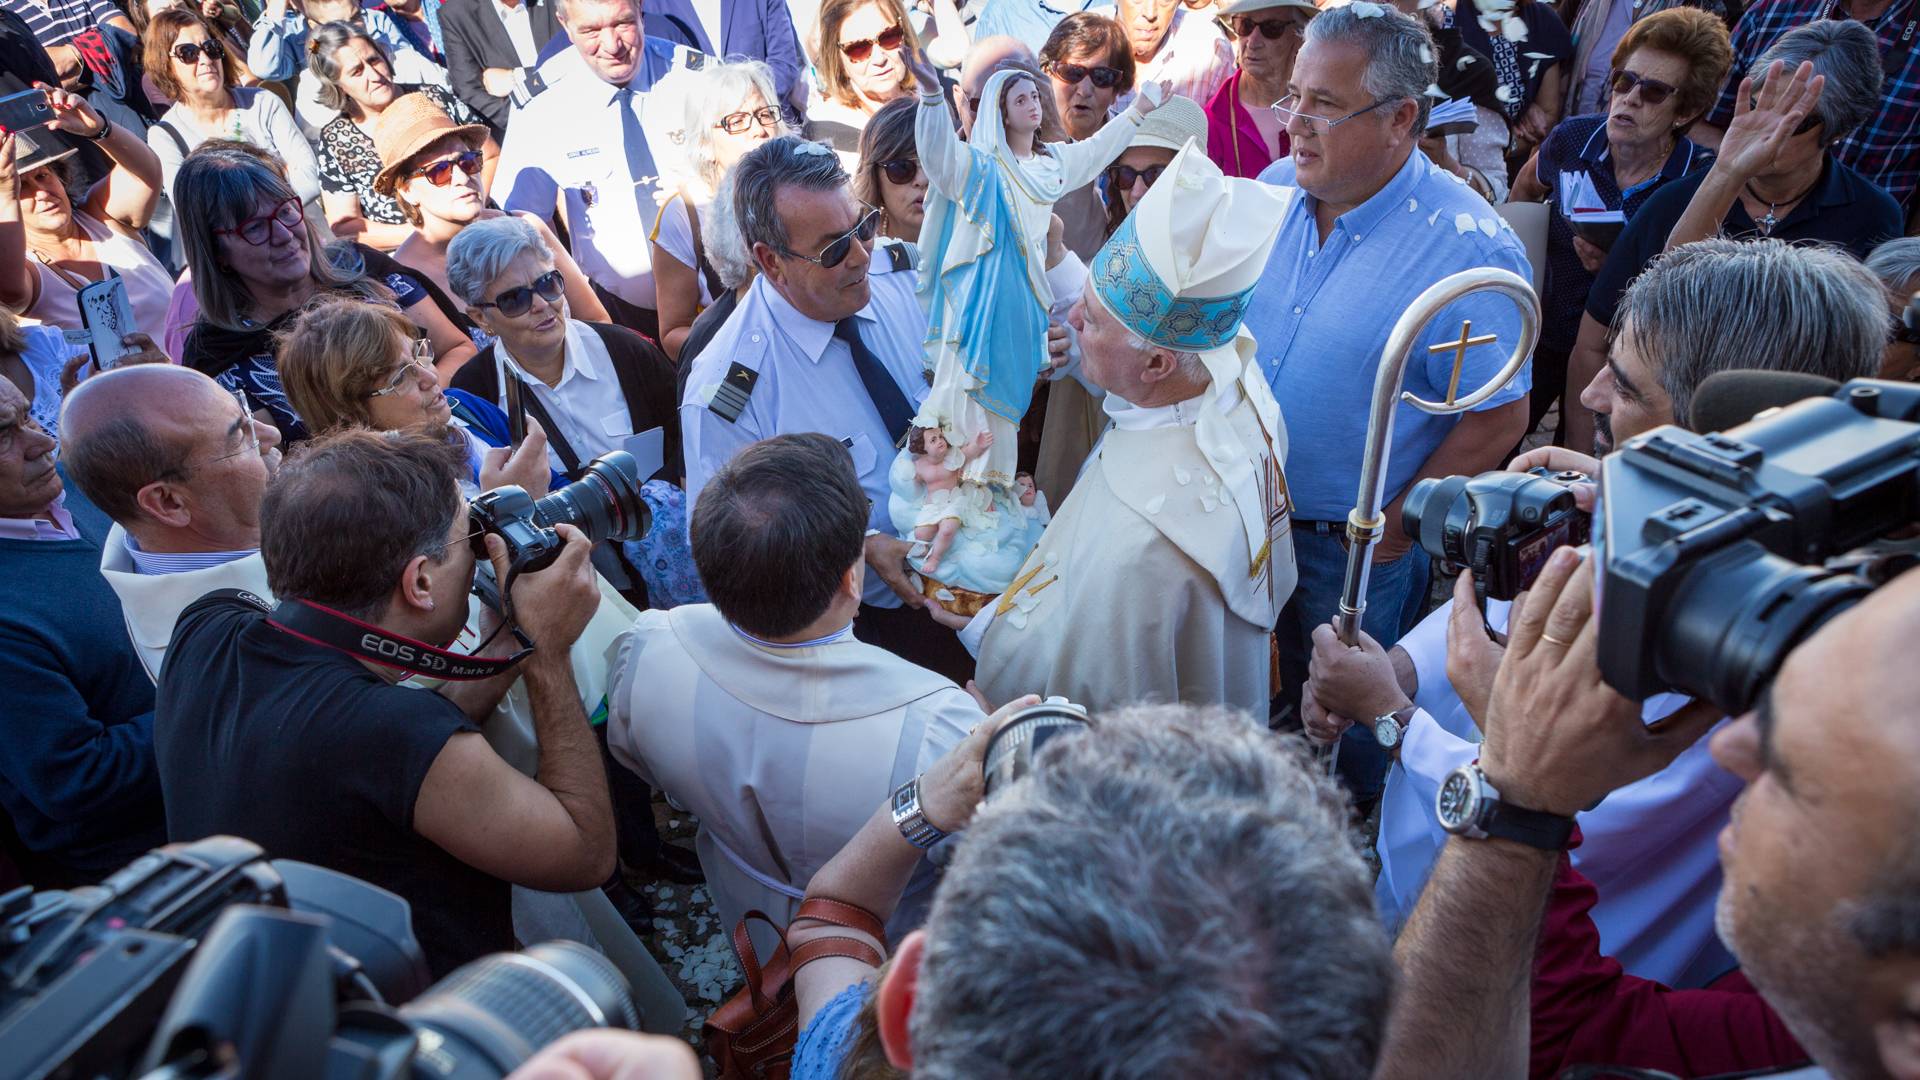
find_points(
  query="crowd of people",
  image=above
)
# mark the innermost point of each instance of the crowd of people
(371, 264)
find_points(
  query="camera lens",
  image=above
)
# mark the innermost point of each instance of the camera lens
(488, 1017)
(1736, 614)
(604, 504)
(1436, 513)
(1011, 750)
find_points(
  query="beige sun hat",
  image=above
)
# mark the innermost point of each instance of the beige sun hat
(1170, 126)
(411, 124)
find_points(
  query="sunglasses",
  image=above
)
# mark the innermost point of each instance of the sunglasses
(516, 301)
(1240, 26)
(736, 122)
(440, 173)
(189, 52)
(258, 230)
(1122, 177)
(900, 171)
(1812, 121)
(888, 39)
(1652, 91)
(419, 362)
(835, 252)
(1104, 78)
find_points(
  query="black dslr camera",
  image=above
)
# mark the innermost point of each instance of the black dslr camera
(604, 504)
(205, 959)
(1500, 525)
(1713, 550)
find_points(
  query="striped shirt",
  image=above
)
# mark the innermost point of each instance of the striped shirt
(56, 22)
(1882, 149)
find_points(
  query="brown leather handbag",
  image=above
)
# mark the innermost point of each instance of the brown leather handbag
(751, 1036)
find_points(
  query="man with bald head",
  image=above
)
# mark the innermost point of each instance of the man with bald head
(1821, 897)
(77, 775)
(180, 465)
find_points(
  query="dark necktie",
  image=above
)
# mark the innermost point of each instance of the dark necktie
(634, 140)
(896, 412)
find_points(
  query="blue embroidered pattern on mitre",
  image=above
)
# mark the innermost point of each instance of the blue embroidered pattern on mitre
(1122, 277)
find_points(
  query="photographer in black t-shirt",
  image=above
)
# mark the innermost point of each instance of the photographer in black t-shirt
(316, 755)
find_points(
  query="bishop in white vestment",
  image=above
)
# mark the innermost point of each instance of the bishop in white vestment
(1162, 575)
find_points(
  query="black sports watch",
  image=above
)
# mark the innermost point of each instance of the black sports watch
(1469, 806)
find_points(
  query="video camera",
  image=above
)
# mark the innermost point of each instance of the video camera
(1716, 553)
(206, 959)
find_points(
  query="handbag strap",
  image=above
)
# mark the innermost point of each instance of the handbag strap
(822, 947)
(750, 963)
(842, 914)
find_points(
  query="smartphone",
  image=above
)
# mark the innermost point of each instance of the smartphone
(516, 412)
(26, 109)
(108, 318)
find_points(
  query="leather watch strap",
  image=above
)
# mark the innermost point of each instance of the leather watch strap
(1534, 828)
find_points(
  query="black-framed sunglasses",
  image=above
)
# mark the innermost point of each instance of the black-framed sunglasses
(1104, 78)
(1652, 91)
(189, 52)
(888, 39)
(1240, 26)
(1123, 177)
(440, 173)
(900, 171)
(258, 230)
(736, 122)
(1812, 121)
(518, 300)
(836, 250)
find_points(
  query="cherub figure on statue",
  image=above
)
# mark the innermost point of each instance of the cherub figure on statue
(949, 502)
(985, 240)
(1033, 501)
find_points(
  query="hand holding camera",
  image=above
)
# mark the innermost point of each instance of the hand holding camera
(1558, 738)
(554, 605)
(1473, 657)
(951, 789)
(524, 466)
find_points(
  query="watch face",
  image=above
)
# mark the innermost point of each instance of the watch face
(1458, 801)
(1386, 731)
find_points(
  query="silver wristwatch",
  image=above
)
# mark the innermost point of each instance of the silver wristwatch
(910, 819)
(1387, 728)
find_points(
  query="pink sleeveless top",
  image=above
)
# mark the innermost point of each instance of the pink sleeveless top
(149, 285)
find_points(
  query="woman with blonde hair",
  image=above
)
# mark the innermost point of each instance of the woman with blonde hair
(730, 108)
(345, 363)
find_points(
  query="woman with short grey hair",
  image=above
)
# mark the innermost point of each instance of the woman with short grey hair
(591, 386)
(728, 110)
(1775, 163)
(355, 76)
(1897, 264)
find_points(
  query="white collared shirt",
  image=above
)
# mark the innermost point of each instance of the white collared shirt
(567, 149)
(57, 525)
(519, 30)
(1195, 57)
(587, 402)
(807, 382)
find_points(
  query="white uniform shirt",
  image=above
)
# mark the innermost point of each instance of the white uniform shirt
(567, 148)
(587, 402)
(1650, 849)
(1195, 57)
(519, 26)
(807, 382)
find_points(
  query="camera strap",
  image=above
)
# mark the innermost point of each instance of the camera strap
(323, 626)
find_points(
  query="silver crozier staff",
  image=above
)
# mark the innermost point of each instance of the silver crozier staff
(1365, 522)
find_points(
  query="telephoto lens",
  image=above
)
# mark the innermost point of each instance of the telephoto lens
(604, 503)
(1011, 750)
(486, 1018)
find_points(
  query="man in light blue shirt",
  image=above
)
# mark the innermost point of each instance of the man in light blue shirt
(1376, 224)
(278, 49)
(827, 339)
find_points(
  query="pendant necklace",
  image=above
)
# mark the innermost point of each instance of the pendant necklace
(1767, 223)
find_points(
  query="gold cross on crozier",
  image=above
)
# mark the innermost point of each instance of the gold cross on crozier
(1459, 349)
